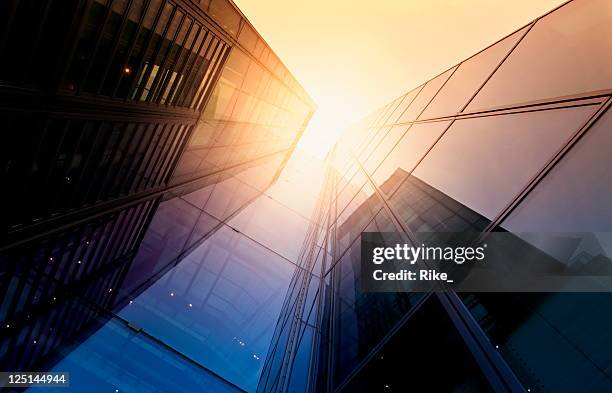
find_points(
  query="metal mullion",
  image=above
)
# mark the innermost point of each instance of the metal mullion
(58, 337)
(20, 358)
(109, 9)
(548, 166)
(115, 44)
(55, 314)
(166, 80)
(87, 163)
(162, 65)
(106, 251)
(139, 128)
(51, 275)
(135, 220)
(139, 225)
(149, 132)
(169, 155)
(146, 47)
(182, 99)
(102, 131)
(190, 74)
(66, 166)
(152, 162)
(212, 50)
(176, 155)
(125, 154)
(88, 232)
(145, 159)
(181, 71)
(143, 225)
(502, 378)
(212, 80)
(105, 176)
(164, 151)
(214, 65)
(146, 75)
(132, 43)
(126, 224)
(90, 252)
(67, 267)
(101, 245)
(42, 337)
(211, 75)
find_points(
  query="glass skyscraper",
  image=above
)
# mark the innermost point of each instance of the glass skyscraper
(162, 233)
(140, 141)
(515, 138)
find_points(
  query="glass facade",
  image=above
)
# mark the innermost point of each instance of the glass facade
(147, 163)
(515, 138)
(163, 234)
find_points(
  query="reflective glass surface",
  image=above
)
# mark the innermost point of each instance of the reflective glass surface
(572, 40)
(116, 358)
(470, 75)
(363, 318)
(218, 306)
(424, 97)
(273, 225)
(576, 194)
(500, 154)
(409, 150)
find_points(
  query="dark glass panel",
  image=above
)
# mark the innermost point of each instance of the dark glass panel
(362, 319)
(576, 195)
(484, 162)
(406, 362)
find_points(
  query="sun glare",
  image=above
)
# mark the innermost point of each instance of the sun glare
(332, 117)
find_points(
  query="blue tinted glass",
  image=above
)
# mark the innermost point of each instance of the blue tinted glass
(116, 358)
(219, 305)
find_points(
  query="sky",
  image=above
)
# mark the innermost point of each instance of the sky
(353, 56)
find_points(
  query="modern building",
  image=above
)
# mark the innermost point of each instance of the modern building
(134, 131)
(163, 234)
(515, 138)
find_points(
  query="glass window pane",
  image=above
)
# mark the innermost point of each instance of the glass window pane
(565, 53)
(115, 358)
(219, 305)
(273, 225)
(410, 149)
(408, 98)
(484, 162)
(468, 78)
(425, 95)
(384, 147)
(576, 195)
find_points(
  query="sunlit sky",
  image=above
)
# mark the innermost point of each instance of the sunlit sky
(353, 56)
